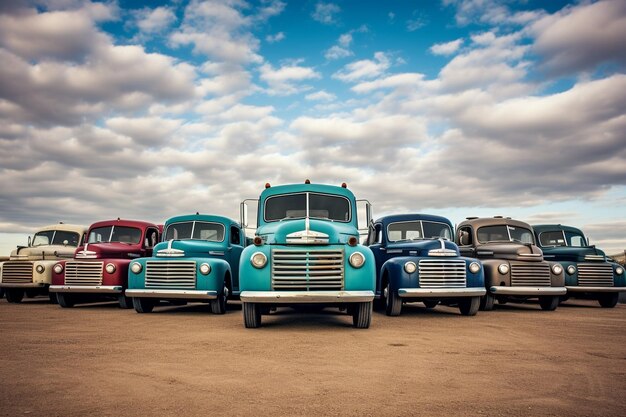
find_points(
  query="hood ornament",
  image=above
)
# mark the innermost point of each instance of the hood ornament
(307, 236)
(85, 253)
(443, 251)
(170, 252)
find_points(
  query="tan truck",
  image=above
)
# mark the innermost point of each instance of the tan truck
(29, 268)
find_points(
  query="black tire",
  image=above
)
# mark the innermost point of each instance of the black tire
(125, 302)
(362, 317)
(609, 300)
(486, 302)
(52, 296)
(430, 303)
(393, 303)
(218, 306)
(468, 306)
(549, 303)
(251, 315)
(31, 293)
(65, 300)
(143, 305)
(15, 295)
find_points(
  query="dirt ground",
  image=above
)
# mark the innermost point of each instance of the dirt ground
(515, 361)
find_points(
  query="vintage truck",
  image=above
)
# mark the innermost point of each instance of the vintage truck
(198, 260)
(514, 266)
(306, 251)
(99, 269)
(29, 268)
(416, 261)
(588, 272)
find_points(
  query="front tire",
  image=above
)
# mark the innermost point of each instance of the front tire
(125, 302)
(469, 306)
(143, 305)
(362, 316)
(393, 303)
(218, 306)
(65, 300)
(609, 300)
(52, 296)
(549, 303)
(486, 302)
(251, 315)
(15, 295)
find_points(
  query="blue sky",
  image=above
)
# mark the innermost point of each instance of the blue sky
(147, 110)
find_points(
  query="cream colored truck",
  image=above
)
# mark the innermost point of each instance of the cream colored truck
(29, 268)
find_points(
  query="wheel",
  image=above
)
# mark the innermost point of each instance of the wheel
(125, 302)
(52, 296)
(143, 305)
(218, 306)
(65, 300)
(469, 306)
(15, 295)
(362, 317)
(549, 303)
(393, 303)
(486, 302)
(609, 300)
(430, 303)
(251, 315)
(31, 293)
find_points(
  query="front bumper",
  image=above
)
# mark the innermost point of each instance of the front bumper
(596, 289)
(24, 285)
(302, 297)
(528, 291)
(179, 294)
(440, 292)
(96, 289)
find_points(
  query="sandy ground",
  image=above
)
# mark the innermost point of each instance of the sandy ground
(517, 360)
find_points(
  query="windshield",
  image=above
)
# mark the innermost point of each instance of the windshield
(294, 206)
(505, 233)
(56, 237)
(417, 230)
(213, 232)
(121, 234)
(561, 238)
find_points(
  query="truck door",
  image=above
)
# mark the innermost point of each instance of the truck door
(236, 244)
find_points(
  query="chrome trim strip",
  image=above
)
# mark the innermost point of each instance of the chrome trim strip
(107, 289)
(164, 294)
(22, 285)
(441, 292)
(287, 297)
(596, 289)
(530, 291)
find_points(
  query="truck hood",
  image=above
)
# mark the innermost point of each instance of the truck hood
(296, 232)
(189, 249)
(510, 250)
(106, 250)
(424, 247)
(567, 253)
(37, 253)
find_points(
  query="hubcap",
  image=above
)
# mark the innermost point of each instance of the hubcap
(226, 292)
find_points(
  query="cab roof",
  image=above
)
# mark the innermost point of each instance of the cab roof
(540, 228)
(202, 217)
(123, 222)
(386, 220)
(493, 221)
(65, 227)
(302, 187)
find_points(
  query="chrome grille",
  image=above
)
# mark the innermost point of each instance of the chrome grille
(17, 272)
(595, 275)
(438, 273)
(307, 270)
(533, 274)
(171, 274)
(83, 273)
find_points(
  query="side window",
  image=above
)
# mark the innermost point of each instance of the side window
(235, 237)
(464, 236)
(151, 238)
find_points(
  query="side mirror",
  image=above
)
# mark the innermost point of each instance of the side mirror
(66, 242)
(463, 238)
(248, 217)
(29, 241)
(364, 213)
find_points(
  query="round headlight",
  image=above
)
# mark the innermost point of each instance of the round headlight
(571, 269)
(410, 267)
(58, 268)
(110, 268)
(205, 269)
(258, 259)
(503, 269)
(136, 267)
(40, 269)
(557, 269)
(474, 267)
(619, 270)
(357, 260)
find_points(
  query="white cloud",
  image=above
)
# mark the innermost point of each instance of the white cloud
(284, 80)
(325, 13)
(446, 48)
(320, 96)
(155, 20)
(337, 52)
(275, 38)
(364, 69)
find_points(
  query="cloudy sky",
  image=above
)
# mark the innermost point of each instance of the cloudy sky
(146, 110)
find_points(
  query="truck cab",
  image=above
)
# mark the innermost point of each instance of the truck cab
(99, 269)
(29, 268)
(588, 272)
(198, 260)
(514, 266)
(416, 261)
(306, 251)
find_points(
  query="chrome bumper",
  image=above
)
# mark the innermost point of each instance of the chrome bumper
(596, 289)
(297, 297)
(440, 292)
(85, 289)
(23, 285)
(182, 294)
(528, 291)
